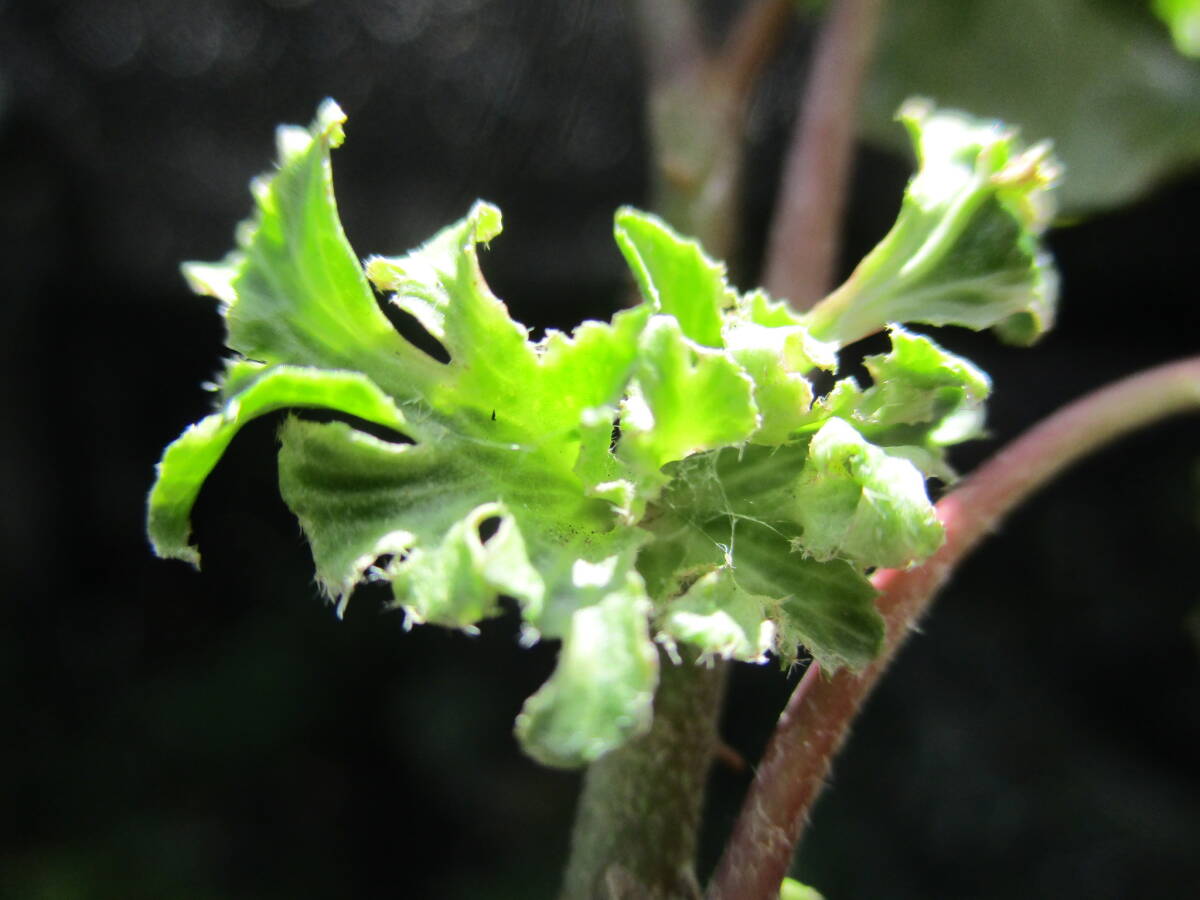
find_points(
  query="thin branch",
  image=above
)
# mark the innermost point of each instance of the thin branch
(752, 41)
(696, 109)
(818, 715)
(670, 37)
(805, 235)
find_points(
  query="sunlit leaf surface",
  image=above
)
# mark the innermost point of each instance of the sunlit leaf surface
(669, 475)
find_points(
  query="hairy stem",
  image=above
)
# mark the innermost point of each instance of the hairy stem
(803, 245)
(639, 814)
(818, 715)
(638, 819)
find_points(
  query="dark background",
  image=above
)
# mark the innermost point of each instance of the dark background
(170, 734)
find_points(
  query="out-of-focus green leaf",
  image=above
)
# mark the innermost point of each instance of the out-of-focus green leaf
(1099, 78)
(965, 249)
(1183, 18)
(794, 890)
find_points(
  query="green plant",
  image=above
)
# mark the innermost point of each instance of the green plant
(660, 492)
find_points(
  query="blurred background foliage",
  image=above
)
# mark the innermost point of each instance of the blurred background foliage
(1099, 77)
(173, 735)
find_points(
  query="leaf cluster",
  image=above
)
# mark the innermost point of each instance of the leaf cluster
(669, 476)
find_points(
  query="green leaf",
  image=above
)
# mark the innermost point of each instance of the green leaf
(1183, 18)
(965, 249)
(737, 511)
(674, 275)
(602, 692)
(776, 350)
(794, 890)
(261, 390)
(856, 501)
(763, 337)
(293, 292)
(684, 399)
(1101, 79)
(922, 400)
(826, 606)
(757, 590)
(715, 614)
(919, 383)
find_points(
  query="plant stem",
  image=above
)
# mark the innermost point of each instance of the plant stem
(803, 246)
(696, 105)
(639, 813)
(638, 819)
(818, 715)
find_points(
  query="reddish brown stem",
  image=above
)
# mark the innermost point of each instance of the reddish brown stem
(803, 246)
(818, 715)
(753, 40)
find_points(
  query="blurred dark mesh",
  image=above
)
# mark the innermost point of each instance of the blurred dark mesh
(174, 735)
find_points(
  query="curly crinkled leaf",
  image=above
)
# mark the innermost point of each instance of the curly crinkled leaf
(683, 399)
(488, 500)
(674, 275)
(188, 460)
(359, 498)
(718, 616)
(776, 350)
(920, 383)
(763, 337)
(784, 398)
(923, 399)
(858, 502)
(556, 551)
(602, 692)
(498, 385)
(293, 292)
(735, 511)
(965, 249)
(826, 606)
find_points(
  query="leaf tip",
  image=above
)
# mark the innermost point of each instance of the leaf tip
(329, 122)
(486, 221)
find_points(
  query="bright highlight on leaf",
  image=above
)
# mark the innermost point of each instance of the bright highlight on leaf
(965, 249)
(1183, 18)
(668, 476)
(794, 890)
